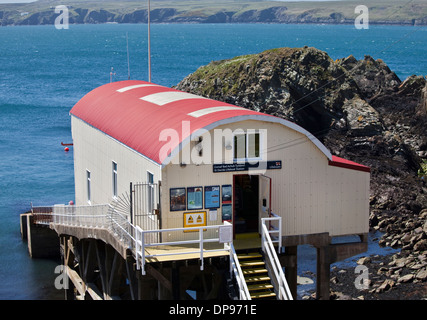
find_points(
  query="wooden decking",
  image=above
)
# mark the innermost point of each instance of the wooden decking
(241, 242)
(193, 253)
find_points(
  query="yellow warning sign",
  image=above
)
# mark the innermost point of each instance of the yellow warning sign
(194, 219)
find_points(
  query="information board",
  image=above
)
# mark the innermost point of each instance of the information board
(177, 199)
(212, 196)
(194, 198)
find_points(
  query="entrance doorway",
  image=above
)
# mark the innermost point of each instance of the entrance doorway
(246, 203)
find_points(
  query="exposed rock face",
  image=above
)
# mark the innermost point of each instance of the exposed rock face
(359, 109)
(423, 104)
(373, 77)
(302, 85)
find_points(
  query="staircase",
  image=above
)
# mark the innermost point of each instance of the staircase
(256, 275)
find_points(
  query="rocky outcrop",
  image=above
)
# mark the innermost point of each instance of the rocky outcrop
(359, 109)
(302, 85)
(373, 77)
(423, 104)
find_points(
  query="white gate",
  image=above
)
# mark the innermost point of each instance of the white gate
(145, 208)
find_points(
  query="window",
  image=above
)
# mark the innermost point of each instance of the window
(150, 192)
(247, 146)
(88, 187)
(114, 179)
(239, 146)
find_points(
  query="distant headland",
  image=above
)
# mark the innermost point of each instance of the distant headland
(42, 12)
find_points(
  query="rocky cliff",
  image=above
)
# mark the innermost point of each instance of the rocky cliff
(359, 109)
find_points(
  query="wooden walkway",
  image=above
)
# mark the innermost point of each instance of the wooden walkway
(242, 242)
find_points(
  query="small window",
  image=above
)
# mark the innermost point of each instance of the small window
(88, 186)
(247, 146)
(239, 146)
(253, 145)
(114, 179)
(150, 177)
(150, 192)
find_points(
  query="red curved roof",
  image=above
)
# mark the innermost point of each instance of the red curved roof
(344, 163)
(136, 112)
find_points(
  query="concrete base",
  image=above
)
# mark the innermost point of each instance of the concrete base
(23, 221)
(43, 242)
(327, 254)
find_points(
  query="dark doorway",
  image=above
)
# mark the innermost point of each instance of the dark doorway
(246, 195)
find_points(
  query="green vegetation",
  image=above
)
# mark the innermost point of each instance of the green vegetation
(224, 69)
(422, 172)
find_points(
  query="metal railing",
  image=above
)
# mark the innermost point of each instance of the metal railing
(95, 216)
(272, 261)
(236, 271)
(102, 216)
(42, 215)
(141, 244)
(274, 229)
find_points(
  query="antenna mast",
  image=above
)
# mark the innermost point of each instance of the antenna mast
(112, 73)
(149, 44)
(127, 47)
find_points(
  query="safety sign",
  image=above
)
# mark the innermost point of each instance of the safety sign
(194, 219)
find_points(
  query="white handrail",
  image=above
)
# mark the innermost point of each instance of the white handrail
(236, 270)
(267, 246)
(275, 230)
(92, 216)
(141, 245)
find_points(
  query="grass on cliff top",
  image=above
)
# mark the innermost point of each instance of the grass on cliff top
(217, 68)
(231, 71)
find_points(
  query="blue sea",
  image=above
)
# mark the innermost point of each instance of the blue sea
(45, 71)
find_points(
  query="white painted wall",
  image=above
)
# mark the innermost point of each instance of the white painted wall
(95, 151)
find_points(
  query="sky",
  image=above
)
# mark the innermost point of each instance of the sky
(16, 1)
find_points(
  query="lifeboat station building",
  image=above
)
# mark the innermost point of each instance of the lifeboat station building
(168, 159)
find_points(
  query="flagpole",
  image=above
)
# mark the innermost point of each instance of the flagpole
(149, 44)
(127, 49)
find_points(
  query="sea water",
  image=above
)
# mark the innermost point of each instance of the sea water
(45, 71)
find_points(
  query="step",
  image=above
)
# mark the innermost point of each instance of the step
(259, 278)
(263, 294)
(254, 271)
(256, 263)
(260, 286)
(249, 256)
